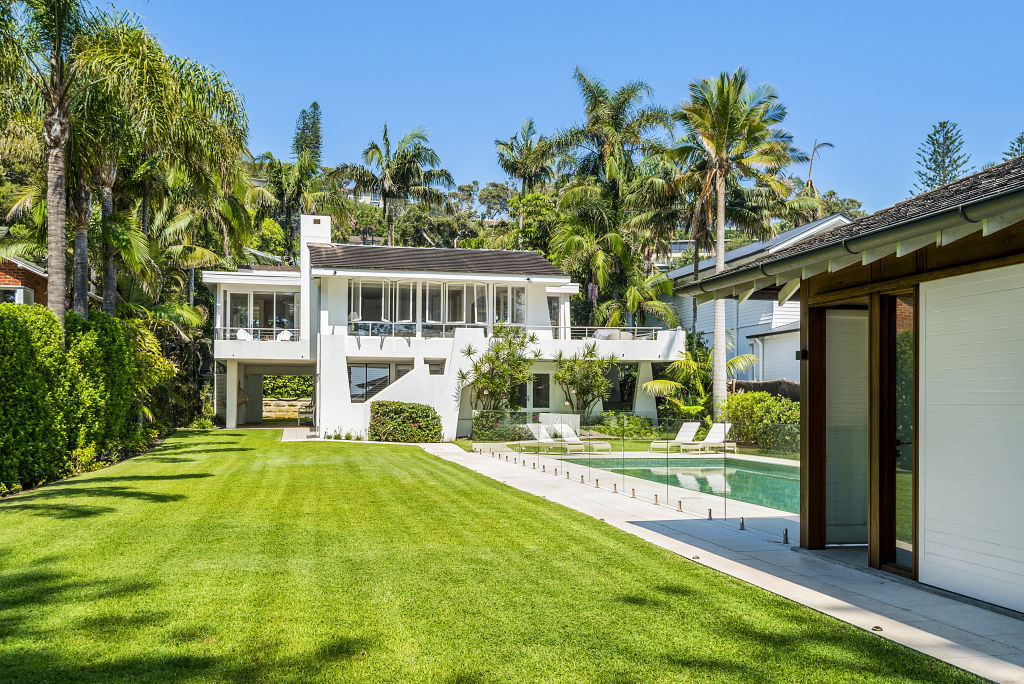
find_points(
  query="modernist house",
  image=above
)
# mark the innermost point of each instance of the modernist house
(759, 326)
(912, 379)
(373, 322)
(22, 282)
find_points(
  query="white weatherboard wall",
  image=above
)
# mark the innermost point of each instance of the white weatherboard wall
(971, 459)
(846, 426)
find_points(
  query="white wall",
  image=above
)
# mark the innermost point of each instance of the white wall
(971, 451)
(777, 357)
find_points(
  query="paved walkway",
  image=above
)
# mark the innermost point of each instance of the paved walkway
(981, 641)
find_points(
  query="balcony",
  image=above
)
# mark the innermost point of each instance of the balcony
(251, 334)
(447, 330)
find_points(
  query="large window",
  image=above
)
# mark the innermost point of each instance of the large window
(432, 299)
(509, 304)
(260, 315)
(541, 391)
(366, 380)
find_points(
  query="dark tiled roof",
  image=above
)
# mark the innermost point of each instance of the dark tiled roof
(430, 259)
(996, 180)
(261, 267)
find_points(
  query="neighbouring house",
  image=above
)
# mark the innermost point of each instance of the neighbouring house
(752, 323)
(912, 379)
(372, 322)
(21, 282)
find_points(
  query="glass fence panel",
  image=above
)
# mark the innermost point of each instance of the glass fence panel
(746, 469)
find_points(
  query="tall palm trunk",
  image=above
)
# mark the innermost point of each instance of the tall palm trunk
(191, 285)
(718, 381)
(55, 133)
(108, 175)
(83, 212)
(693, 300)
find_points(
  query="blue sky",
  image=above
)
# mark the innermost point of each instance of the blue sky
(870, 77)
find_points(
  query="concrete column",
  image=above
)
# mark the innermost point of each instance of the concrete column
(231, 395)
(643, 401)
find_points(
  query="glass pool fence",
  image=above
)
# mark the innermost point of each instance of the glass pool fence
(695, 466)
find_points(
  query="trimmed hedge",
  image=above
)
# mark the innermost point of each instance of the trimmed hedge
(35, 398)
(768, 421)
(62, 411)
(500, 426)
(624, 424)
(402, 421)
(287, 386)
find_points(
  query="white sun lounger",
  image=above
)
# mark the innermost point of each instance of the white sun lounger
(684, 436)
(715, 439)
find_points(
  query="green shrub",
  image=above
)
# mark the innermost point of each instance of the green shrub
(622, 424)
(288, 386)
(63, 412)
(766, 420)
(36, 399)
(500, 426)
(401, 421)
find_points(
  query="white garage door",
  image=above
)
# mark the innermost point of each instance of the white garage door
(971, 536)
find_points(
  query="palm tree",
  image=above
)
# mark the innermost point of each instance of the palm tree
(732, 132)
(58, 50)
(527, 157)
(407, 172)
(688, 385)
(294, 189)
(643, 296)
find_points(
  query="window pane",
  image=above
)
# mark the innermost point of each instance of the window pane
(519, 305)
(432, 302)
(353, 300)
(481, 304)
(404, 308)
(435, 367)
(521, 389)
(8, 296)
(501, 304)
(263, 310)
(239, 310)
(357, 381)
(542, 391)
(402, 369)
(378, 377)
(284, 309)
(372, 301)
(456, 303)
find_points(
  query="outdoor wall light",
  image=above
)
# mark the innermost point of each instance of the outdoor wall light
(801, 354)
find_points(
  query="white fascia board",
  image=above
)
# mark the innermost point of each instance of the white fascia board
(32, 268)
(569, 288)
(836, 221)
(254, 278)
(432, 275)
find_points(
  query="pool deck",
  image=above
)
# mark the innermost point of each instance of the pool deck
(986, 642)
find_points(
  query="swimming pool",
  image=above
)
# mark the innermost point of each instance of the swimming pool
(775, 485)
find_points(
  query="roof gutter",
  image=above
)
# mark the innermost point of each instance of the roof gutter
(981, 209)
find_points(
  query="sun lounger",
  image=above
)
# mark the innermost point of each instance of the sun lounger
(684, 436)
(715, 439)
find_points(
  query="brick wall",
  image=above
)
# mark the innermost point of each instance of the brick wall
(12, 275)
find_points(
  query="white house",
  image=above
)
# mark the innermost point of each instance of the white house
(752, 325)
(391, 323)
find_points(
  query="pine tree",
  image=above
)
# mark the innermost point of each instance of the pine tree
(308, 135)
(1016, 148)
(940, 158)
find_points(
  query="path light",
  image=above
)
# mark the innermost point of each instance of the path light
(534, 465)
(615, 488)
(709, 514)
(634, 492)
(785, 535)
(581, 479)
(741, 524)
(597, 483)
(556, 472)
(655, 499)
(566, 474)
(680, 505)
(544, 468)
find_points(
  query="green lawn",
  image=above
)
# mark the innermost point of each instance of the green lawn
(229, 556)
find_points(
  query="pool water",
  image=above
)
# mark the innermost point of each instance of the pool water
(775, 485)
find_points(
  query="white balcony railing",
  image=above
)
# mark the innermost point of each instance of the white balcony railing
(249, 334)
(434, 330)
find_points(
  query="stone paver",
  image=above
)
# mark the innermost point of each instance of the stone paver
(981, 641)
